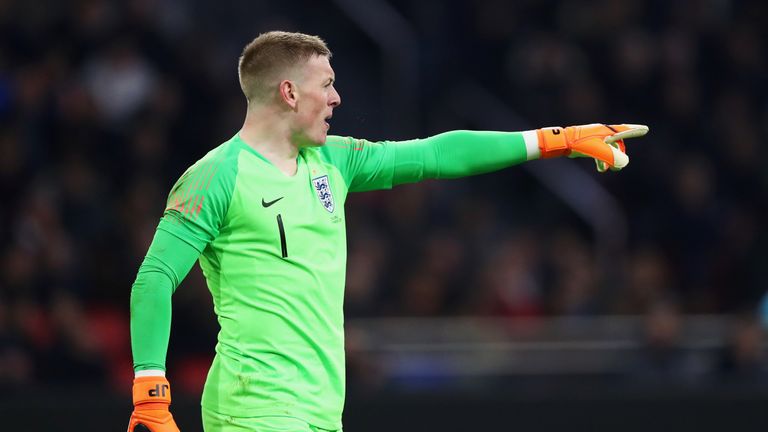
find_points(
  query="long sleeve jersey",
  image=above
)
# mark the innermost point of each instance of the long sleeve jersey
(272, 248)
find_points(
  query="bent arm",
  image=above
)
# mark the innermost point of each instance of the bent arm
(167, 262)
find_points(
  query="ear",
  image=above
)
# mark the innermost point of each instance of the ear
(289, 93)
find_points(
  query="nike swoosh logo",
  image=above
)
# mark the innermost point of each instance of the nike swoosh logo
(267, 204)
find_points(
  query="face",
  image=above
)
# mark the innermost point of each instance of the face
(317, 98)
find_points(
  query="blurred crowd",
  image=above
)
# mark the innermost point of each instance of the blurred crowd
(103, 104)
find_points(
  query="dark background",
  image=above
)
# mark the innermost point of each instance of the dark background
(103, 104)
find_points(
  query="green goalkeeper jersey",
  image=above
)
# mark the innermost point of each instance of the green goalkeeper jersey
(272, 248)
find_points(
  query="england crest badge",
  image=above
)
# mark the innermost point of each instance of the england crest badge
(323, 189)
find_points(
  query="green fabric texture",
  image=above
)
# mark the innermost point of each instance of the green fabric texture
(215, 422)
(167, 262)
(448, 155)
(273, 251)
(457, 154)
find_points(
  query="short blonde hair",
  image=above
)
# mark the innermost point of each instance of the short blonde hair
(271, 54)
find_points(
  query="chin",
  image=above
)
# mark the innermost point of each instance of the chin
(320, 141)
(313, 141)
(316, 143)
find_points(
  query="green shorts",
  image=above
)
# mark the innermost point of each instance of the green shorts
(215, 422)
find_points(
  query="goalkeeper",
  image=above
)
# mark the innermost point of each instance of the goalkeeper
(264, 215)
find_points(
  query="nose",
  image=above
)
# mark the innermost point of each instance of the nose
(335, 99)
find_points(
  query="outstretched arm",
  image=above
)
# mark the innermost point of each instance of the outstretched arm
(458, 154)
(380, 165)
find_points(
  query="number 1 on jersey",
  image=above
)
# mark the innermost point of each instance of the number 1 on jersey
(280, 228)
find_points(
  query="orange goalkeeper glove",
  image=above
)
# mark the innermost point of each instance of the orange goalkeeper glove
(604, 143)
(151, 399)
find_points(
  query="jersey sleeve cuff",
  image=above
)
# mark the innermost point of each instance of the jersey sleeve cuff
(531, 145)
(149, 372)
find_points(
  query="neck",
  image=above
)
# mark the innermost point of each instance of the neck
(266, 131)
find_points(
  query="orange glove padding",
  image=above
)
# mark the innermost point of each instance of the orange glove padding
(151, 399)
(602, 142)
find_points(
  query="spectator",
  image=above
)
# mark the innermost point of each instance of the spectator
(662, 358)
(743, 361)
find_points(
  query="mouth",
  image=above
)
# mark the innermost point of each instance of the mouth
(327, 121)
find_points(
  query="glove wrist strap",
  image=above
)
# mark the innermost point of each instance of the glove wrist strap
(154, 390)
(553, 142)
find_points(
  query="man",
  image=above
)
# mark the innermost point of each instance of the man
(264, 214)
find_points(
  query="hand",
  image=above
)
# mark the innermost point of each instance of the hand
(151, 399)
(604, 143)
